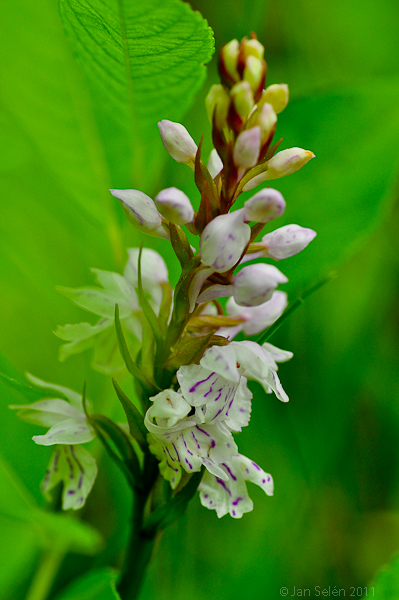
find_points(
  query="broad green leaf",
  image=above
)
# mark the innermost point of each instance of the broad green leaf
(95, 585)
(143, 62)
(385, 586)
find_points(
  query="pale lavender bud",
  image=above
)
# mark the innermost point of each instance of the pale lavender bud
(255, 284)
(243, 99)
(264, 206)
(286, 241)
(283, 163)
(277, 95)
(218, 102)
(253, 72)
(287, 162)
(141, 211)
(178, 142)
(175, 206)
(228, 58)
(215, 164)
(257, 318)
(252, 47)
(223, 241)
(247, 147)
(266, 120)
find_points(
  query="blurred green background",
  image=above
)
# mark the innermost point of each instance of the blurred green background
(67, 135)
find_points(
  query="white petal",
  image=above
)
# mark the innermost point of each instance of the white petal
(68, 431)
(221, 360)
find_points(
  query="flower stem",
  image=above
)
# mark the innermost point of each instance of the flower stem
(45, 574)
(141, 544)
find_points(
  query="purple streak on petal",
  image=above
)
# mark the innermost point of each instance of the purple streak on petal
(170, 467)
(191, 390)
(71, 492)
(177, 454)
(213, 443)
(195, 439)
(79, 465)
(217, 414)
(71, 476)
(220, 393)
(80, 482)
(189, 465)
(56, 459)
(222, 483)
(229, 471)
(255, 465)
(237, 500)
(186, 447)
(202, 430)
(205, 495)
(234, 513)
(268, 479)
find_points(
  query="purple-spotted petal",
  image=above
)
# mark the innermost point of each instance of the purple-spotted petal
(77, 469)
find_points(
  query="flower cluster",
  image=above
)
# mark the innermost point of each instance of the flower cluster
(190, 376)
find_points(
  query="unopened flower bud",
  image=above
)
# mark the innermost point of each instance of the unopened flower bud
(215, 164)
(283, 163)
(255, 284)
(287, 162)
(266, 120)
(178, 142)
(243, 99)
(252, 47)
(175, 206)
(277, 95)
(223, 241)
(286, 241)
(254, 73)
(218, 102)
(247, 148)
(256, 318)
(141, 211)
(266, 205)
(228, 62)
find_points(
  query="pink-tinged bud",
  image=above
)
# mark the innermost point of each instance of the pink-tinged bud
(223, 241)
(247, 148)
(266, 205)
(141, 211)
(215, 164)
(257, 318)
(175, 206)
(277, 95)
(286, 241)
(283, 163)
(178, 142)
(243, 99)
(287, 162)
(266, 120)
(255, 284)
(254, 73)
(228, 61)
(252, 47)
(218, 102)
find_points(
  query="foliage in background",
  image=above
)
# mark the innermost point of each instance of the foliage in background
(68, 135)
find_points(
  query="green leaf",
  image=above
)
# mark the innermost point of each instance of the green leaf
(143, 62)
(130, 364)
(134, 418)
(99, 584)
(180, 244)
(188, 351)
(385, 586)
(172, 510)
(29, 392)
